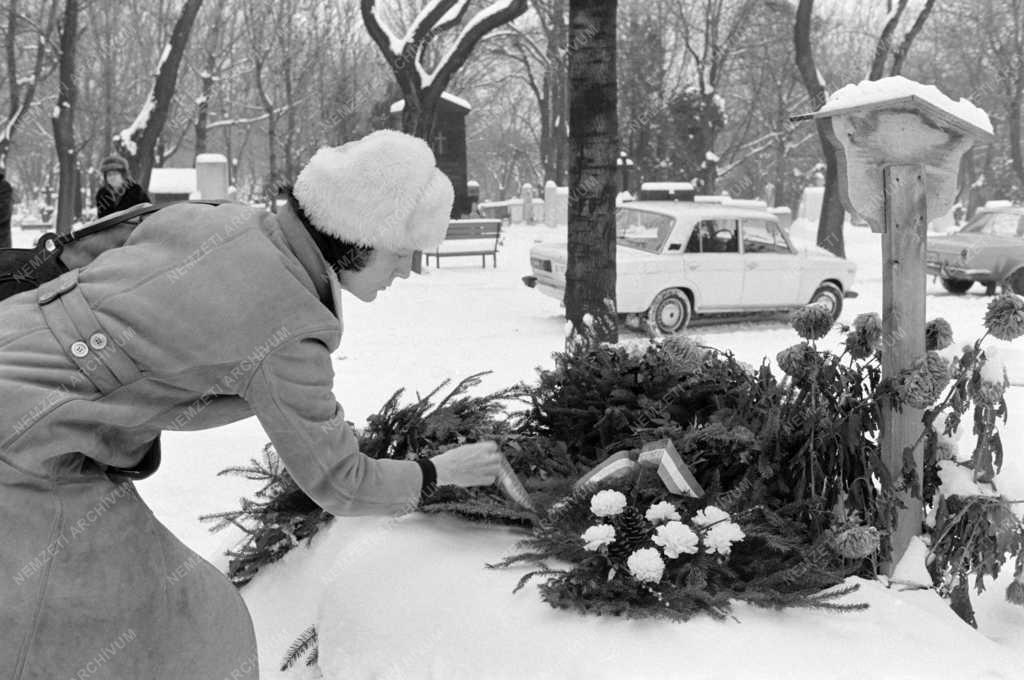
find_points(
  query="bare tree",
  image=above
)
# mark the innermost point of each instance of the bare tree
(887, 44)
(422, 87)
(593, 150)
(21, 89)
(138, 142)
(64, 119)
(830, 224)
(208, 76)
(539, 55)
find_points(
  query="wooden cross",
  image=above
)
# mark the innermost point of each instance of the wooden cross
(898, 161)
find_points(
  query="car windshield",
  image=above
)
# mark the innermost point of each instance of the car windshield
(642, 230)
(996, 224)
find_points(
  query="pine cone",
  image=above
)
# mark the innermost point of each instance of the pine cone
(632, 531)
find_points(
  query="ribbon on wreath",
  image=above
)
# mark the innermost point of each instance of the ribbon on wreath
(661, 454)
(511, 485)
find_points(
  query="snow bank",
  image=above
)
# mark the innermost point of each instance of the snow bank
(872, 91)
(410, 598)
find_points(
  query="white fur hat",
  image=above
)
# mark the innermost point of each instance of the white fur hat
(383, 190)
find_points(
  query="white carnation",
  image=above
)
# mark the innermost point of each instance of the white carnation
(598, 536)
(646, 565)
(661, 512)
(607, 503)
(710, 515)
(719, 538)
(676, 538)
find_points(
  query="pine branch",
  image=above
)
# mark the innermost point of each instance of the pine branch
(307, 642)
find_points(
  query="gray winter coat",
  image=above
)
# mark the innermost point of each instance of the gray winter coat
(207, 315)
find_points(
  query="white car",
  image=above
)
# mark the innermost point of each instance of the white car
(705, 256)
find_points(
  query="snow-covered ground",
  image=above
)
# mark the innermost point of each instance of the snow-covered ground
(409, 597)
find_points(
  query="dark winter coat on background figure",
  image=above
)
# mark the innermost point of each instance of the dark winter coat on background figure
(6, 206)
(107, 201)
(205, 316)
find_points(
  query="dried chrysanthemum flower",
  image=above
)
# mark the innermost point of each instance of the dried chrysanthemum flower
(800, 361)
(856, 543)
(938, 334)
(1015, 591)
(1004, 318)
(989, 392)
(938, 369)
(812, 321)
(865, 336)
(684, 353)
(923, 383)
(992, 377)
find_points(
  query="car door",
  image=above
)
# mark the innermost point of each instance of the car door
(714, 265)
(771, 268)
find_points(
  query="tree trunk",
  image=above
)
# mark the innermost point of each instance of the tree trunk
(203, 110)
(142, 136)
(1013, 122)
(207, 79)
(593, 150)
(64, 121)
(830, 223)
(21, 94)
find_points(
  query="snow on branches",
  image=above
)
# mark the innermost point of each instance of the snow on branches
(422, 84)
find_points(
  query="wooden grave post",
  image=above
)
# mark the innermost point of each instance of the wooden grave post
(898, 161)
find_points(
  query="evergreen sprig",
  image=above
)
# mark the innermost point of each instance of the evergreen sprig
(308, 645)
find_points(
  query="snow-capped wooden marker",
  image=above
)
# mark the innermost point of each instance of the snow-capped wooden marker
(899, 145)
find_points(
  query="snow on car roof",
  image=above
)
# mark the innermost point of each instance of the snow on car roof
(690, 210)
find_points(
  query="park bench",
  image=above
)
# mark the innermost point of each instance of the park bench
(469, 237)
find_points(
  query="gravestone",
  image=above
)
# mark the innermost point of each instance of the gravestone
(449, 145)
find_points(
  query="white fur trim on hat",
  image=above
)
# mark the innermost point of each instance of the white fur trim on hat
(383, 190)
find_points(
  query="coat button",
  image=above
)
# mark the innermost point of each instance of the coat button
(79, 349)
(98, 341)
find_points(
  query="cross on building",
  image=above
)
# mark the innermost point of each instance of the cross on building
(439, 139)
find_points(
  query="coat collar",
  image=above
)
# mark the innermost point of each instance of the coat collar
(325, 279)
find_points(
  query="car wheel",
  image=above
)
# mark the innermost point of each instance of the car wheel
(1016, 281)
(830, 295)
(957, 286)
(670, 312)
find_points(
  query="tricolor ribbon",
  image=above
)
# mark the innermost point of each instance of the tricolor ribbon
(512, 486)
(662, 454)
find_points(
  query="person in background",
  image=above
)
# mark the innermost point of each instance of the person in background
(5, 211)
(119, 191)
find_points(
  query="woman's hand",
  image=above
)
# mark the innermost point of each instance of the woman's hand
(468, 465)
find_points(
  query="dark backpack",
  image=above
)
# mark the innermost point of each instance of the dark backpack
(24, 269)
